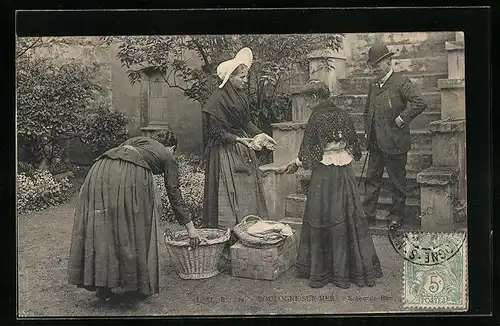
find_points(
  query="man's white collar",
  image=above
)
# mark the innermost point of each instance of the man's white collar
(384, 79)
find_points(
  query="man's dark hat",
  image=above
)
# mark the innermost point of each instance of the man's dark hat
(377, 52)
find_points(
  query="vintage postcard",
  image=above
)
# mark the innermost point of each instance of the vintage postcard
(262, 174)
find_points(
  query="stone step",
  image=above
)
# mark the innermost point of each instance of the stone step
(427, 82)
(356, 102)
(427, 64)
(420, 122)
(404, 50)
(418, 160)
(413, 191)
(295, 205)
(380, 228)
(421, 139)
(304, 176)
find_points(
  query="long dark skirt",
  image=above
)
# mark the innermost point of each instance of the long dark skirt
(335, 243)
(233, 186)
(114, 240)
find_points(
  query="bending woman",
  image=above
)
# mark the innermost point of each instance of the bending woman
(114, 240)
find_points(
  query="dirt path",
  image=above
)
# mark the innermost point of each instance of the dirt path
(43, 248)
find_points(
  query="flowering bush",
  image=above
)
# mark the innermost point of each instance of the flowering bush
(38, 189)
(191, 184)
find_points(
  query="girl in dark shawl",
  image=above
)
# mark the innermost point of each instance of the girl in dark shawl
(233, 187)
(335, 244)
(114, 239)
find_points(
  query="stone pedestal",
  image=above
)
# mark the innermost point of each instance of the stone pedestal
(456, 59)
(289, 136)
(276, 187)
(438, 191)
(448, 149)
(327, 66)
(453, 88)
(452, 98)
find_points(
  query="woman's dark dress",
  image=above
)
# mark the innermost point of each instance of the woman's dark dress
(114, 239)
(335, 244)
(233, 187)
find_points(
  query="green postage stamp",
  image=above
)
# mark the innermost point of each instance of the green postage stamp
(435, 271)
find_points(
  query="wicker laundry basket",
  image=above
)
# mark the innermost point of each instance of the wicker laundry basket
(252, 241)
(202, 262)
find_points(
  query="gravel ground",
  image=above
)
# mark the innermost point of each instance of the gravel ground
(43, 248)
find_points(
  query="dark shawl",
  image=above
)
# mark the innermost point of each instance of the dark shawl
(327, 123)
(226, 115)
(231, 110)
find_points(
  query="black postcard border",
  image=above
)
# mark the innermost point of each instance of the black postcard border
(475, 22)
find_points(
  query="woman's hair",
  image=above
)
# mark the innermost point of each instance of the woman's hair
(239, 69)
(165, 136)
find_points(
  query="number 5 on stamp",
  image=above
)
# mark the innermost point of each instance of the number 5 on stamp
(437, 286)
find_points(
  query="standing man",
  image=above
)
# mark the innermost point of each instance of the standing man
(392, 103)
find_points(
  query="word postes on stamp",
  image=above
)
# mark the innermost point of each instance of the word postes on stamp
(435, 273)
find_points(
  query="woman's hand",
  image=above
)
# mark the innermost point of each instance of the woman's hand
(194, 237)
(263, 140)
(245, 141)
(291, 167)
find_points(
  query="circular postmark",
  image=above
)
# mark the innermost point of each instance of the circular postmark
(426, 248)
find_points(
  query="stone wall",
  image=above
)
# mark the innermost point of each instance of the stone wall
(158, 104)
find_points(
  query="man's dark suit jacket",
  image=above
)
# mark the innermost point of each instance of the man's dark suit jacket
(384, 104)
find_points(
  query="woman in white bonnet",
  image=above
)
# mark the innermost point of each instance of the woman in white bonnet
(233, 187)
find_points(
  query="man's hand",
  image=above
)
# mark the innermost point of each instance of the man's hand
(399, 122)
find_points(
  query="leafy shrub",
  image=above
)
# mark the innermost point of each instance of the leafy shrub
(52, 100)
(103, 130)
(191, 183)
(37, 189)
(60, 165)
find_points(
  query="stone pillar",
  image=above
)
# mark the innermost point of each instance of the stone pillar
(328, 66)
(453, 88)
(448, 150)
(144, 105)
(289, 134)
(437, 201)
(276, 188)
(443, 186)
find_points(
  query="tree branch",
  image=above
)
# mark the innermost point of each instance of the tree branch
(165, 78)
(201, 51)
(28, 48)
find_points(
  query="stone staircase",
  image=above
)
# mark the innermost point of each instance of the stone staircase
(423, 58)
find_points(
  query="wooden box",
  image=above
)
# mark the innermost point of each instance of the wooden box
(263, 264)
